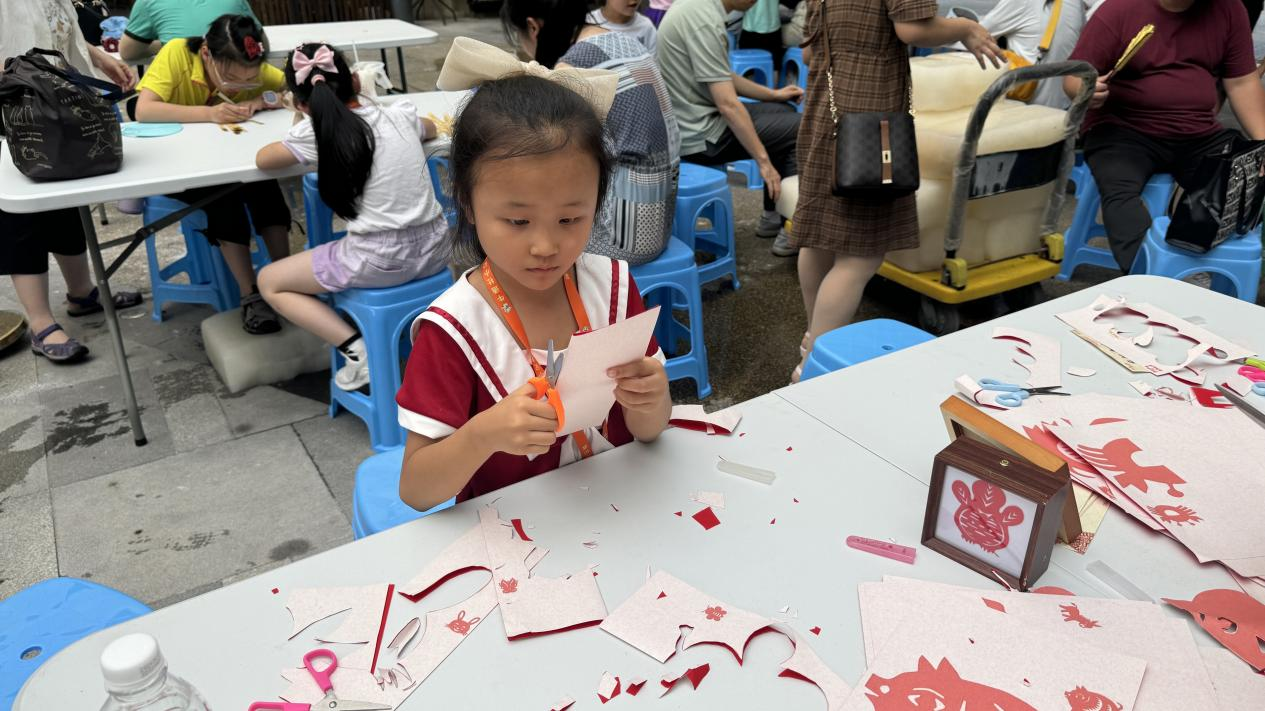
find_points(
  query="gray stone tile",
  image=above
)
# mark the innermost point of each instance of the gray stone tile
(29, 554)
(337, 446)
(265, 407)
(100, 362)
(23, 470)
(17, 372)
(87, 432)
(186, 392)
(179, 321)
(190, 520)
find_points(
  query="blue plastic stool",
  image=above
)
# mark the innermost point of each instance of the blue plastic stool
(318, 215)
(674, 271)
(750, 171)
(383, 317)
(1234, 265)
(1085, 225)
(859, 342)
(757, 61)
(794, 59)
(704, 192)
(375, 503)
(441, 177)
(210, 280)
(49, 616)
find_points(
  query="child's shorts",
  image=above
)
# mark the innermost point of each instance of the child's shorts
(381, 259)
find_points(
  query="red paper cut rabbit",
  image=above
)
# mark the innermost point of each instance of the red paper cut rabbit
(929, 688)
(1082, 699)
(981, 518)
(461, 625)
(1117, 456)
(1072, 613)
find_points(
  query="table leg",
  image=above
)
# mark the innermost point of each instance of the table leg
(399, 57)
(386, 68)
(112, 320)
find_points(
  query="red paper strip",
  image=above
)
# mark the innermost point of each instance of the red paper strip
(816, 631)
(694, 675)
(518, 527)
(635, 688)
(706, 518)
(994, 604)
(382, 626)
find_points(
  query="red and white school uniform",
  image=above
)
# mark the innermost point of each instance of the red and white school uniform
(465, 360)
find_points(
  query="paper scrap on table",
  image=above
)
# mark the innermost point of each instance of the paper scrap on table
(694, 417)
(1233, 618)
(1206, 346)
(1237, 686)
(805, 665)
(608, 688)
(1082, 372)
(308, 606)
(694, 675)
(976, 657)
(635, 685)
(715, 499)
(563, 704)
(587, 392)
(706, 518)
(1045, 352)
(756, 474)
(1174, 678)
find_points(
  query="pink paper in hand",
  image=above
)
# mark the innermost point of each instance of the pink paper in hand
(694, 417)
(587, 392)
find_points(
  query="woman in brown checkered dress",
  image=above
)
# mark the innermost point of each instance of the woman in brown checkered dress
(842, 240)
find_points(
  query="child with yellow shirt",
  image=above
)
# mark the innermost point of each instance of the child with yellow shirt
(222, 78)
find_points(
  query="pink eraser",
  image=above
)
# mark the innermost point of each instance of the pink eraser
(904, 554)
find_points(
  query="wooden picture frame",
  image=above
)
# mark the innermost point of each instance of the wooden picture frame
(965, 420)
(992, 512)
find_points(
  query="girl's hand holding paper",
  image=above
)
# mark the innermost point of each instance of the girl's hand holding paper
(640, 386)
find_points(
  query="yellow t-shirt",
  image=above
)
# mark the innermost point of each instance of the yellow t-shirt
(178, 76)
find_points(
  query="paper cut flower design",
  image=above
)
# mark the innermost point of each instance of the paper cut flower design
(1178, 515)
(1072, 613)
(939, 687)
(509, 586)
(461, 625)
(714, 613)
(980, 516)
(1082, 699)
(1117, 456)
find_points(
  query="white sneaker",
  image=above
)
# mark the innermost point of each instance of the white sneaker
(355, 371)
(769, 225)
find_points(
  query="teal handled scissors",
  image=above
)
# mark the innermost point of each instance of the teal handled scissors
(1257, 376)
(1014, 395)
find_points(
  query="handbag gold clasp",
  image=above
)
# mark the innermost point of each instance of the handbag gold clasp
(887, 156)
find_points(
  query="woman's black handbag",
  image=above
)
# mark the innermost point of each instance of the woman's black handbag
(58, 123)
(1227, 201)
(876, 152)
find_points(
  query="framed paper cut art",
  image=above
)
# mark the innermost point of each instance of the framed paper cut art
(993, 512)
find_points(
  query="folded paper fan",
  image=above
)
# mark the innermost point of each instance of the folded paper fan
(1135, 45)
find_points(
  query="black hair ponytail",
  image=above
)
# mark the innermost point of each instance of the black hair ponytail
(344, 141)
(563, 20)
(233, 38)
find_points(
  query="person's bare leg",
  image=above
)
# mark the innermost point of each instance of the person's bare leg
(287, 285)
(813, 264)
(839, 295)
(237, 256)
(74, 268)
(277, 240)
(32, 291)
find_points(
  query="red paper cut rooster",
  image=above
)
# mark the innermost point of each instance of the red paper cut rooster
(1117, 456)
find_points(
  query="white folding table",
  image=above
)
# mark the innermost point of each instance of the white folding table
(200, 155)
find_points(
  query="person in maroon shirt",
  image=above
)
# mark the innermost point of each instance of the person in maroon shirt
(1158, 115)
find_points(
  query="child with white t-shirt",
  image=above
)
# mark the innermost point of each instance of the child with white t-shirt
(372, 173)
(622, 16)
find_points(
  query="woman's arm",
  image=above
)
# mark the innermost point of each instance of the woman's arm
(116, 71)
(133, 49)
(939, 31)
(150, 108)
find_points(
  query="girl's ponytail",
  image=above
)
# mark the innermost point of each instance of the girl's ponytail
(344, 140)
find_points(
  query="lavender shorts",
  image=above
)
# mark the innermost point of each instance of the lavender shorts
(382, 259)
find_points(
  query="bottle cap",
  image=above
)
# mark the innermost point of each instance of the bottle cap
(131, 662)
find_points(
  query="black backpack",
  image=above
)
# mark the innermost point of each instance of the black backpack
(56, 123)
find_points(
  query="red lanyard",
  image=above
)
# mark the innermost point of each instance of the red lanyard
(520, 333)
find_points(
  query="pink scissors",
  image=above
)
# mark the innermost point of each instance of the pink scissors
(1257, 376)
(322, 677)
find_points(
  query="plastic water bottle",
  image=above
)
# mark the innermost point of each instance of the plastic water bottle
(136, 678)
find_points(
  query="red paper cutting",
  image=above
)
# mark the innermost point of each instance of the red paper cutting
(789, 449)
(1177, 515)
(940, 684)
(715, 613)
(1082, 699)
(1233, 618)
(815, 630)
(386, 609)
(677, 513)
(661, 595)
(706, 518)
(980, 516)
(275, 591)
(994, 604)
(518, 528)
(613, 693)
(1117, 456)
(772, 521)
(1052, 590)
(1211, 398)
(695, 676)
(634, 687)
(1072, 613)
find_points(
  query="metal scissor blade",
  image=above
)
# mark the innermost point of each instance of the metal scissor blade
(1256, 415)
(557, 369)
(341, 705)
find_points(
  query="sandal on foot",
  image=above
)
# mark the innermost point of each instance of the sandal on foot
(258, 317)
(91, 304)
(71, 351)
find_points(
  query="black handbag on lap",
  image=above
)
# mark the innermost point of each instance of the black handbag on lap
(56, 123)
(876, 152)
(1227, 200)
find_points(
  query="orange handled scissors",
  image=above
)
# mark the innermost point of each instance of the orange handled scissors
(545, 384)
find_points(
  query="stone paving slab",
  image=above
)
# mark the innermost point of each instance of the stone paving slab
(187, 393)
(28, 554)
(191, 520)
(18, 376)
(23, 469)
(100, 362)
(265, 407)
(337, 446)
(87, 432)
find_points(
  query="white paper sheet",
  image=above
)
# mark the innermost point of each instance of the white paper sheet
(586, 391)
